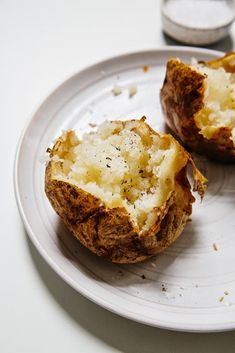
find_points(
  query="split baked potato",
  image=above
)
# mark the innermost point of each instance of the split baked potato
(198, 102)
(122, 190)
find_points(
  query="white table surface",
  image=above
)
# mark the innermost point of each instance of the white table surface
(42, 43)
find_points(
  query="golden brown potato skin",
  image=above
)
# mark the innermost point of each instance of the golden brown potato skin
(181, 98)
(227, 62)
(110, 233)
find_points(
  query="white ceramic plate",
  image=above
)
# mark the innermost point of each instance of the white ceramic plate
(189, 287)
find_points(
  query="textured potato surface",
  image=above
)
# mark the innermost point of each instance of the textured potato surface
(122, 190)
(198, 102)
(219, 101)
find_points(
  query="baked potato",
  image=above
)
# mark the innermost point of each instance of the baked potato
(198, 102)
(122, 190)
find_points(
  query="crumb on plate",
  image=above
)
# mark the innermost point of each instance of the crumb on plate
(116, 90)
(132, 91)
(145, 68)
(93, 125)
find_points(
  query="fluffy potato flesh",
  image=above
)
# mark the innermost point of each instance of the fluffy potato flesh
(203, 100)
(219, 101)
(127, 168)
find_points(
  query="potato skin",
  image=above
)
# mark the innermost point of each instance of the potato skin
(227, 62)
(110, 233)
(181, 98)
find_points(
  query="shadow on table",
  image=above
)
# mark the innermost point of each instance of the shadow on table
(120, 333)
(225, 44)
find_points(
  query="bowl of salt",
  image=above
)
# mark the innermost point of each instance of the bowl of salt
(197, 22)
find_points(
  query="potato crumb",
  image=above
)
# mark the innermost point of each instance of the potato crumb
(219, 101)
(132, 91)
(145, 68)
(215, 247)
(226, 292)
(93, 125)
(221, 299)
(116, 90)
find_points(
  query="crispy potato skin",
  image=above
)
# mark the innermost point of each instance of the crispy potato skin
(227, 62)
(110, 233)
(181, 98)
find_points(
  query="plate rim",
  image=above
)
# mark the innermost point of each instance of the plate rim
(30, 232)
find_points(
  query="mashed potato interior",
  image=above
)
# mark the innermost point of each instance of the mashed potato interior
(219, 100)
(125, 165)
